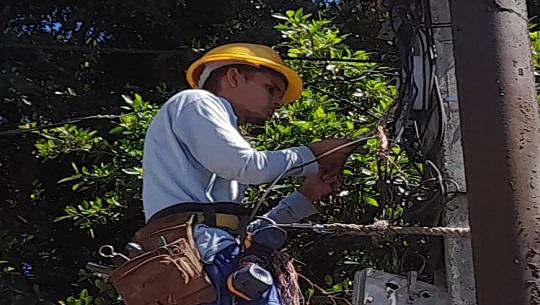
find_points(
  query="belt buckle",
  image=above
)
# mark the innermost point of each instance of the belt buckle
(199, 217)
(229, 221)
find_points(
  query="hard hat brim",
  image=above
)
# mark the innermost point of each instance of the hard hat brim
(294, 87)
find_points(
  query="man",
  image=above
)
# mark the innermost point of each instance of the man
(194, 152)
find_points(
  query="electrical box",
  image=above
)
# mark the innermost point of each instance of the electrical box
(373, 287)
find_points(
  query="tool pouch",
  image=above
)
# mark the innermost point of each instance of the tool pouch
(169, 272)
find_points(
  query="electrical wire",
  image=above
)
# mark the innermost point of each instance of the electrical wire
(13, 131)
(331, 59)
(419, 120)
(414, 36)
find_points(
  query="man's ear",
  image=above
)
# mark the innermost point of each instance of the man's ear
(232, 76)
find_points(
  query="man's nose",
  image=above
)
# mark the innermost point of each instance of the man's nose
(277, 102)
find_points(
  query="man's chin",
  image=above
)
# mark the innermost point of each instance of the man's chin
(257, 121)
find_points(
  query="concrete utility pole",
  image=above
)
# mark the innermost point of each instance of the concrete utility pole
(501, 139)
(459, 273)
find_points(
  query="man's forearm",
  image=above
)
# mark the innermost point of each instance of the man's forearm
(291, 209)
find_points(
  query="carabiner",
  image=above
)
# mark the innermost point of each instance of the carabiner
(108, 251)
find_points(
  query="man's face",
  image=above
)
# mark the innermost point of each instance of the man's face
(259, 95)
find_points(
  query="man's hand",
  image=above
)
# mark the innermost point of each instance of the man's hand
(315, 187)
(331, 165)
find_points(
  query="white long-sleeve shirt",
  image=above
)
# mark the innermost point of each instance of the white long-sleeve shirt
(193, 152)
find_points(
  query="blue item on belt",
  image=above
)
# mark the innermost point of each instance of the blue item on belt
(250, 280)
(224, 264)
(267, 239)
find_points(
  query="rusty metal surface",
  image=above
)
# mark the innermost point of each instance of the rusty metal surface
(501, 138)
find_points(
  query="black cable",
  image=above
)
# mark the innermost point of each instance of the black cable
(432, 91)
(439, 105)
(12, 131)
(407, 91)
(342, 100)
(406, 35)
(413, 29)
(426, 5)
(332, 59)
(352, 79)
(430, 94)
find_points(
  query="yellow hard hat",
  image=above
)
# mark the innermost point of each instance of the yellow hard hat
(251, 54)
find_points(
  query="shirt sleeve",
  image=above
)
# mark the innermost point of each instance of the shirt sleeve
(204, 127)
(293, 208)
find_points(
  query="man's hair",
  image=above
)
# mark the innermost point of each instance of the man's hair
(212, 84)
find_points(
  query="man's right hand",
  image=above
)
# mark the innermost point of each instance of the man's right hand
(331, 165)
(315, 187)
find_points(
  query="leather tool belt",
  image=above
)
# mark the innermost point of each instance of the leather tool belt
(171, 271)
(229, 216)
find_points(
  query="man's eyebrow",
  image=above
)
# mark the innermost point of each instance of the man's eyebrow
(278, 87)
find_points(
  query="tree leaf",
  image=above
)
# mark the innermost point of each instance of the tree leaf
(279, 16)
(370, 201)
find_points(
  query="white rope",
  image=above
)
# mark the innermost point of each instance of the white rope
(379, 227)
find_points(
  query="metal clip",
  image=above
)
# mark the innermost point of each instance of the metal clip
(134, 248)
(321, 228)
(109, 252)
(317, 228)
(163, 245)
(101, 270)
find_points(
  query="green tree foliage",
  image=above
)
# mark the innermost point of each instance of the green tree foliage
(114, 176)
